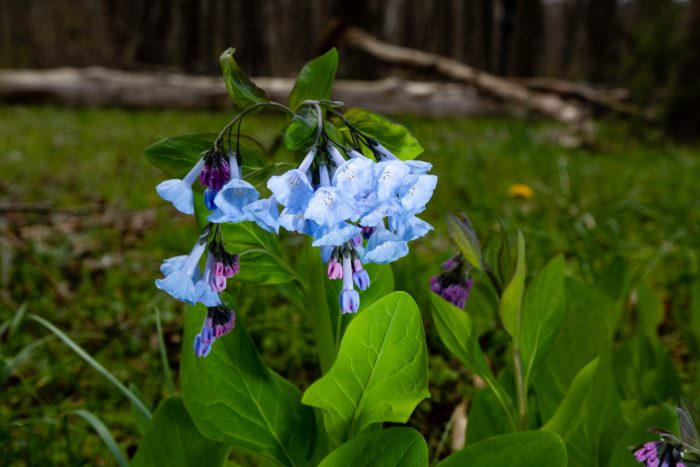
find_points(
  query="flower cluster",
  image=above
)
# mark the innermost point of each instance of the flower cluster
(453, 283)
(357, 207)
(659, 454)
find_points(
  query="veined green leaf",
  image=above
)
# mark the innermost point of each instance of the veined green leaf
(543, 314)
(510, 308)
(522, 449)
(241, 89)
(235, 399)
(393, 447)
(315, 80)
(393, 136)
(380, 373)
(173, 440)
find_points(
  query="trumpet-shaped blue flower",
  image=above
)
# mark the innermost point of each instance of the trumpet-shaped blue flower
(385, 247)
(179, 192)
(180, 282)
(231, 200)
(391, 177)
(294, 221)
(329, 207)
(265, 213)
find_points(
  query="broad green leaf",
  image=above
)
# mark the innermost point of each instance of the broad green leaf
(177, 155)
(543, 314)
(393, 447)
(380, 373)
(584, 334)
(522, 449)
(462, 233)
(241, 89)
(614, 278)
(235, 399)
(650, 311)
(301, 132)
(569, 414)
(456, 331)
(393, 136)
(594, 440)
(173, 440)
(315, 80)
(510, 308)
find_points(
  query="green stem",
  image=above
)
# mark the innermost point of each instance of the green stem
(521, 389)
(505, 403)
(245, 112)
(317, 306)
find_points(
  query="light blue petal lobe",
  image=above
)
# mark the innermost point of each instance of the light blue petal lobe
(416, 196)
(291, 189)
(179, 285)
(384, 247)
(170, 265)
(390, 177)
(355, 176)
(418, 167)
(265, 213)
(179, 193)
(205, 295)
(294, 221)
(234, 196)
(329, 207)
(411, 228)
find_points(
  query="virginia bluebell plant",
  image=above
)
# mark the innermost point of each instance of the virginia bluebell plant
(358, 202)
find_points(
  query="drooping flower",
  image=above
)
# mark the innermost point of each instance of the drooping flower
(233, 197)
(181, 275)
(659, 454)
(179, 192)
(264, 212)
(219, 321)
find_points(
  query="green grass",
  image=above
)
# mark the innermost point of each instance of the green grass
(632, 196)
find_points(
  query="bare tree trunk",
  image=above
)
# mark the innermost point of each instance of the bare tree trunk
(683, 113)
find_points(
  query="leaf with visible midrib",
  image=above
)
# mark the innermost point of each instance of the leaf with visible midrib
(315, 80)
(241, 89)
(392, 135)
(235, 399)
(393, 447)
(544, 308)
(173, 440)
(381, 372)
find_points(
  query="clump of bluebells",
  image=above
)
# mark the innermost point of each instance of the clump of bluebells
(454, 282)
(353, 197)
(670, 450)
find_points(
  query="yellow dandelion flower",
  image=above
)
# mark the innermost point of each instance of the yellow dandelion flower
(520, 191)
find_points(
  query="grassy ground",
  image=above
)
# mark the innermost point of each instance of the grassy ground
(633, 197)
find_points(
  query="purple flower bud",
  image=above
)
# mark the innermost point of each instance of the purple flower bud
(435, 285)
(361, 279)
(335, 270)
(456, 294)
(349, 301)
(216, 175)
(219, 322)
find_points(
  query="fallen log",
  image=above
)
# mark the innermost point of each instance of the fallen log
(102, 87)
(546, 104)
